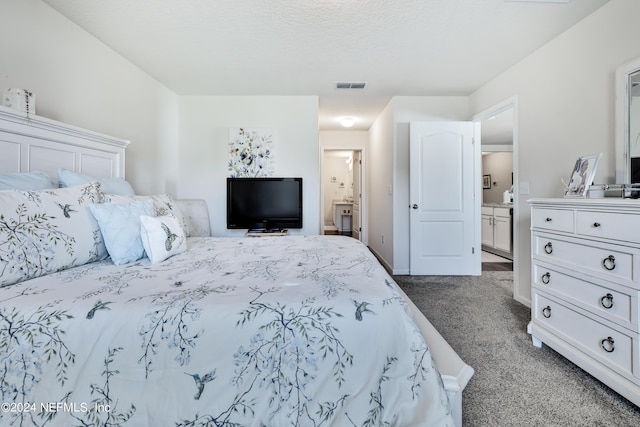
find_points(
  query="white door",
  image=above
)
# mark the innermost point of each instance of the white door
(357, 194)
(444, 218)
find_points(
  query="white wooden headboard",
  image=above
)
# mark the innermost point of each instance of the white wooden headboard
(33, 143)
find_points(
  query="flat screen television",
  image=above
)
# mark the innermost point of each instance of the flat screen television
(264, 204)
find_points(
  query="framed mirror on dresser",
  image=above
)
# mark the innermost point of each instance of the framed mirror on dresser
(627, 116)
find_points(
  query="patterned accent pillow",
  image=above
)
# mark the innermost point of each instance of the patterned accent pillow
(164, 204)
(162, 237)
(45, 231)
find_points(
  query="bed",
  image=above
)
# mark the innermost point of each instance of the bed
(268, 331)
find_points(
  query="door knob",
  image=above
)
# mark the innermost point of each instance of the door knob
(414, 206)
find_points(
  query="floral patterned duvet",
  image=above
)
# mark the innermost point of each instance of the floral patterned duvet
(269, 331)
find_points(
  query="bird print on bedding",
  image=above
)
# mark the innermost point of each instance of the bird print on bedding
(66, 210)
(201, 381)
(361, 307)
(171, 237)
(98, 306)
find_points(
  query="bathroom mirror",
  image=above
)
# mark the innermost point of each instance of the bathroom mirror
(628, 123)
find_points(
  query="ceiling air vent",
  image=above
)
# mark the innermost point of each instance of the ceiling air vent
(350, 85)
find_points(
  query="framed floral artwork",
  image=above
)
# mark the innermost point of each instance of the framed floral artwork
(251, 152)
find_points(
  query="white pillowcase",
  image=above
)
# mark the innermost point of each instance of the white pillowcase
(162, 237)
(120, 227)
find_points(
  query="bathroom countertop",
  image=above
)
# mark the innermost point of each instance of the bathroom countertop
(498, 205)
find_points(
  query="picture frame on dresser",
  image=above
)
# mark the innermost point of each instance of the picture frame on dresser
(582, 175)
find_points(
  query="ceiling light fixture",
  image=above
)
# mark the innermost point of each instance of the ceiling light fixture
(347, 122)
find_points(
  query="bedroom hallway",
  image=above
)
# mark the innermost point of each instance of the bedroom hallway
(343, 190)
(514, 383)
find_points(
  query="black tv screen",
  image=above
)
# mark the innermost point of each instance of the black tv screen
(264, 203)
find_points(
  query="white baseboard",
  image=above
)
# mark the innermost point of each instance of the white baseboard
(382, 261)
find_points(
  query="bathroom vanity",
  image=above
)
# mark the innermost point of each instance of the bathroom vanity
(342, 214)
(497, 228)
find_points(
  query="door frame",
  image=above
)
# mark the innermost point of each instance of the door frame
(364, 234)
(510, 103)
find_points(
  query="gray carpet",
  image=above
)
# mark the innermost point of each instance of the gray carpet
(515, 383)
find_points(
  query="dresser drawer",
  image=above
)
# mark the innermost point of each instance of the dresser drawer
(615, 303)
(615, 349)
(607, 261)
(552, 219)
(608, 225)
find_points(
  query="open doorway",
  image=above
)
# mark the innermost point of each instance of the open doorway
(342, 188)
(499, 193)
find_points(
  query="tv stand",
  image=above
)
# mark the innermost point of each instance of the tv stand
(263, 232)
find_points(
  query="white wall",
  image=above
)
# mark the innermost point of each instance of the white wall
(565, 94)
(389, 202)
(380, 184)
(339, 139)
(204, 148)
(80, 81)
(500, 166)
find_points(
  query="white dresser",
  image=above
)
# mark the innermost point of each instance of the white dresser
(585, 278)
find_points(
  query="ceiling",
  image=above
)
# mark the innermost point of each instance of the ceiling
(304, 47)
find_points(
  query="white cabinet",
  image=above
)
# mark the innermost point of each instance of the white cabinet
(496, 229)
(342, 214)
(502, 229)
(487, 226)
(585, 284)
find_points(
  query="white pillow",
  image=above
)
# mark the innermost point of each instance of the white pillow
(120, 227)
(28, 181)
(67, 178)
(162, 237)
(46, 231)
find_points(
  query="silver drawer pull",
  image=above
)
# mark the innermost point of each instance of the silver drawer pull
(596, 224)
(548, 220)
(546, 312)
(607, 345)
(548, 248)
(607, 301)
(609, 262)
(546, 278)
